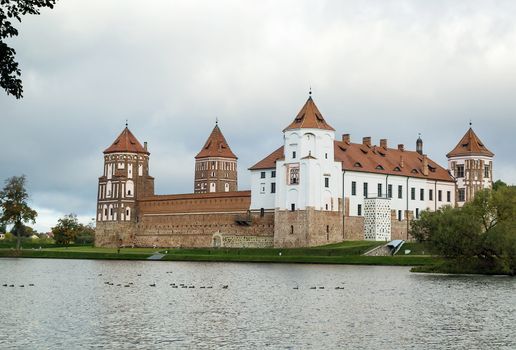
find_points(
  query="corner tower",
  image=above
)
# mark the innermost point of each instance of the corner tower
(309, 186)
(215, 165)
(471, 163)
(125, 179)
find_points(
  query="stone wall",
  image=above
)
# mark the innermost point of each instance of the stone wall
(197, 230)
(353, 228)
(399, 227)
(114, 234)
(232, 241)
(306, 228)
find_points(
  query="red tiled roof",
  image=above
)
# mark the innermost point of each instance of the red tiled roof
(269, 161)
(216, 146)
(309, 117)
(392, 161)
(126, 142)
(374, 159)
(469, 145)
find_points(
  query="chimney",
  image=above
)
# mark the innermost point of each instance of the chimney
(346, 138)
(366, 141)
(425, 165)
(401, 147)
(402, 163)
(145, 145)
(383, 143)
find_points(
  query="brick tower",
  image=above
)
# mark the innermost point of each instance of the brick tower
(125, 179)
(215, 165)
(471, 163)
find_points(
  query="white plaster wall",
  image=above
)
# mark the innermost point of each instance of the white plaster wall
(262, 200)
(396, 203)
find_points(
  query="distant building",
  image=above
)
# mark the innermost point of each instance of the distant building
(471, 163)
(314, 189)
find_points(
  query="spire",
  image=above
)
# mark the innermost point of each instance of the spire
(216, 145)
(419, 144)
(309, 117)
(126, 142)
(470, 145)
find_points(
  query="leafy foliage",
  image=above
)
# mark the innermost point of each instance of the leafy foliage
(13, 10)
(67, 229)
(14, 207)
(481, 233)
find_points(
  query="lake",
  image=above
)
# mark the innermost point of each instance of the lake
(93, 304)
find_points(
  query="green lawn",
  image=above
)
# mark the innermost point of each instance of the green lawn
(349, 252)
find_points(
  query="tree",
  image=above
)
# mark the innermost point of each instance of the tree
(3, 228)
(67, 229)
(14, 208)
(482, 233)
(13, 10)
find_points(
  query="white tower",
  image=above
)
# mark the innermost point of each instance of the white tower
(309, 185)
(471, 163)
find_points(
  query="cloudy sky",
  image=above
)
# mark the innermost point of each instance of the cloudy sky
(385, 69)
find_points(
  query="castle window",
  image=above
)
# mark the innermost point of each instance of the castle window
(440, 196)
(273, 173)
(462, 195)
(293, 177)
(110, 211)
(459, 171)
(359, 210)
(262, 212)
(486, 171)
(293, 154)
(128, 192)
(365, 190)
(389, 191)
(262, 175)
(326, 182)
(400, 191)
(353, 188)
(413, 194)
(422, 194)
(293, 206)
(326, 155)
(380, 192)
(417, 213)
(399, 215)
(226, 187)
(273, 187)
(448, 196)
(326, 206)
(105, 212)
(262, 188)
(430, 195)
(291, 229)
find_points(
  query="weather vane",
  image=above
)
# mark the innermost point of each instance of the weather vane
(126, 123)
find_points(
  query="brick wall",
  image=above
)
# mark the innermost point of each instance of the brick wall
(305, 228)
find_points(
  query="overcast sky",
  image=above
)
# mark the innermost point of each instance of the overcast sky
(385, 69)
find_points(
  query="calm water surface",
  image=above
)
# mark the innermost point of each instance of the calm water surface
(70, 306)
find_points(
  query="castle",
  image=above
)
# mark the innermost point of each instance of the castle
(313, 190)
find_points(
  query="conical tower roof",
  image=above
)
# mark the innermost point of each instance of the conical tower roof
(216, 146)
(309, 117)
(470, 145)
(126, 142)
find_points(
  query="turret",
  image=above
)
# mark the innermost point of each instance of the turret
(419, 145)
(215, 165)
(471, 163)
(125, 179)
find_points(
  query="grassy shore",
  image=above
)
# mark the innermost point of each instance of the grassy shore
(349, 252)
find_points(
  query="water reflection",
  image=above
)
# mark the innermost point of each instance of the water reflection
(86, 304)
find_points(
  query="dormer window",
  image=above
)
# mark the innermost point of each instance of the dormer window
(379, 167)
(357, 165)
(397, 168)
